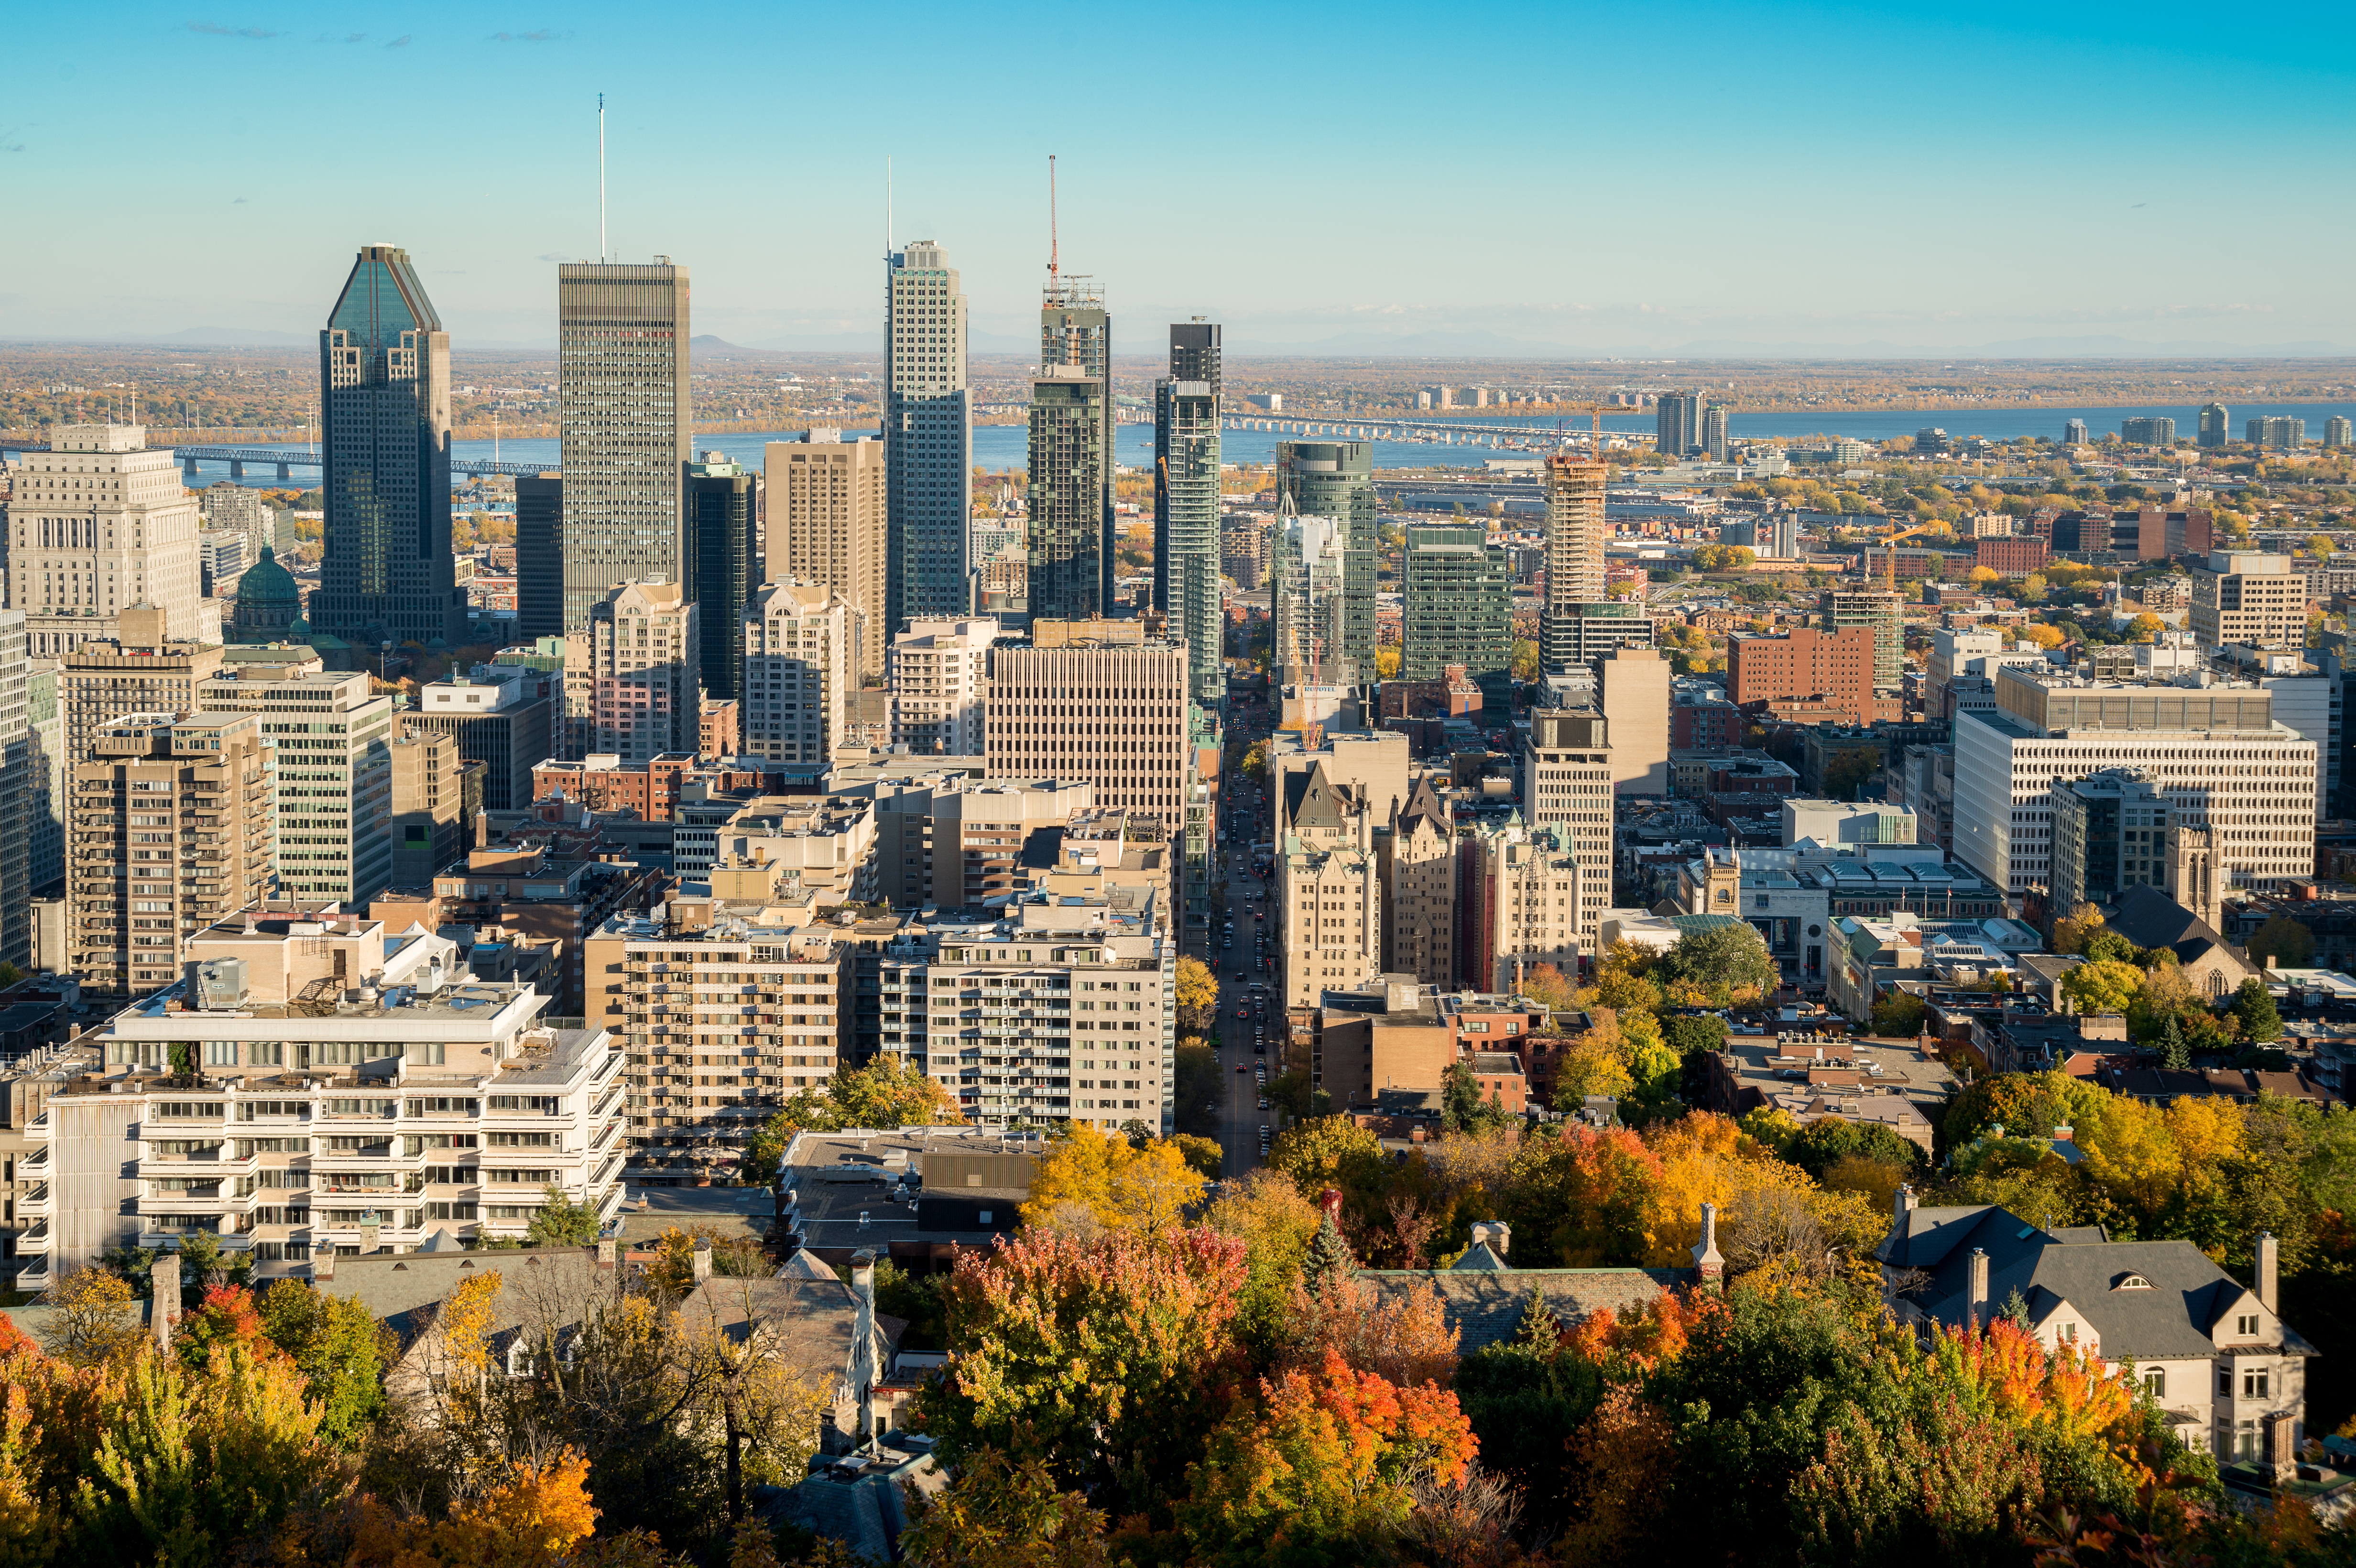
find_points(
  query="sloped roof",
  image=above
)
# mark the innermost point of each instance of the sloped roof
(1423, 804)
(1310, 800)
(2149, 918)
(813, 1319)
(1484, 1305)
(537, 1284)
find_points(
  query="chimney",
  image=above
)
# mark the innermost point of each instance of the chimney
(1708, 1262)
(1901, 1204)
(1501, 1237)
(862, 1340)
(1975, 1295)
(2269, 1264)
(165, 1311)
(323, 1263)
(2282, 1445)
(609, 1252)
(701, 1266)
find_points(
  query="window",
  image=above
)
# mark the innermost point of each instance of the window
(220, 1053)
(2254, 1383)
(2246, 1326)
(425, 1052)
(2154, 1382)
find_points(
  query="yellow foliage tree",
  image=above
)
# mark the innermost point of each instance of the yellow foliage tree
(1090, 1178)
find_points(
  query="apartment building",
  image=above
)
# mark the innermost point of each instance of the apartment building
(533, 893)
(955, 841)
(827, 511)
(1567, 775)
(403, 1104)
(140, 669)
(97, 526)
(2241, 598)
(1523, 903)
(1112, 716)
(1838, 667)
(719, 1023)
(434, 795)
(27, 1084)
(503, 717)
(1055, 1008)
(1633, 688)
(797, 669)
(334, 771)
(940, 683)
(1882, 612)
(173, 827)
(1416, 854)
(631, 680)
(2216, 753)
(1328, 913)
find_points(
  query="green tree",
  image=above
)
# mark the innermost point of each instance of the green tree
(2281, 943)
(2103, 986)
(1328, 1151)
(1255, 762)
(1463, 1107)
(559, 1221)
(1721, 959)
(1849, 773)
(2254, 1008)
(886, 1093)
(2174, 1053)
(341, 1349)
(1525, 659)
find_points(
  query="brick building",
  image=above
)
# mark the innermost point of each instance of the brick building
(1835, 666)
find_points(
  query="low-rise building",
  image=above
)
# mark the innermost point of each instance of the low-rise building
(1811, 1077)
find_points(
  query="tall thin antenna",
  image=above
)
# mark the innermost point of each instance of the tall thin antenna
(1052, 268)
(602, 253)
(887, 209)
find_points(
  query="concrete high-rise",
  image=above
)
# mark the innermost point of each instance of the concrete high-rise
(2338, 433)
(797, 639)
(2248, 598)
(1336, 479)
(333, 789)
(625, 419)
(509, 724)
(1633, 694)
(96, 525)
(230, 506)
(1886, 613)
(1457, 607)
(631, 680)
(386, 573)
(1070, 524)
(1187, 504)
(827, 500)
(940, 681)
(1677, 423)
(540, 555)
(1713, 432)
(2147, 430)
(928, 441)
(2216, 420)
(141, 669)
(1113, 715)
(720, 566)
(2075, 433)
(21, 762)
(1576, 532)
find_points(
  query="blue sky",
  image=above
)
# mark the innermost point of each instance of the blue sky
(1635, 179)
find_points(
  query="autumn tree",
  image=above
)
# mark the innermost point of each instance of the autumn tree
(1722, 959)
(998, 1513)
(2105, 986)
(886, 1093)
(1544, 984)
(98, 1315)
(2070, 932)
(2281, 943)
(1198, 996)
(1275, 1222)
(338, 1346)
(1087, 1179)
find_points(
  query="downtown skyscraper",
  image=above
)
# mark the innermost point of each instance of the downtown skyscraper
(1677, 423)
(626, 418)
(928, 442)
(386, 572)
(1070, 538)
(1187, 504)
(1336, 479)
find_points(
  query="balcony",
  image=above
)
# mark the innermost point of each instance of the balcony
(33, 1203)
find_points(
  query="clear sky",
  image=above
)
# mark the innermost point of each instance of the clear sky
(1635, 178)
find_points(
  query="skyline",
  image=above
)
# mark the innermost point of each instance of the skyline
(1421, 187)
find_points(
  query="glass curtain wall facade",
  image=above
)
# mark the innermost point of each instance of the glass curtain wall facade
(624, 416)
(928, 441)
(1187, 504)
(1336, 479)
(721, 561)
(1070, 537)
(1457, 608)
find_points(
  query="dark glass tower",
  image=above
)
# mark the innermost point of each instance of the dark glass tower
(1336, 479)
(540, 555)
(720, 568)
(387, 574)
(1070, 533)
(1187, 503)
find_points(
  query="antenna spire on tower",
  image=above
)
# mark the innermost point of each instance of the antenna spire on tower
(1052, 268)
(602, 253)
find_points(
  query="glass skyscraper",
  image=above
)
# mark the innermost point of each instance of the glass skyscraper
(625, 420)
(1187, 504)
(927, 441)
(1336, 479)
(386, 573)
(720, 567)
(1070, 526)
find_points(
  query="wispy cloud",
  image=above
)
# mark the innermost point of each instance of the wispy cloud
(537, 36)
(555, 256)
(400, 43)
(238, 202)
(12, 147)
(215, 29)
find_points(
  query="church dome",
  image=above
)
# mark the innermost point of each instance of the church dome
(267, 602)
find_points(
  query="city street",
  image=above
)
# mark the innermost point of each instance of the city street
(1244, 821)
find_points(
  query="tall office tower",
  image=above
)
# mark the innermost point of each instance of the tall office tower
(1336, 479)
(2146, 429)
(386, 572)
(1309, 600)
(827, 502)
(139, 670)
(2217, 752)
(1713, 432)
(940, 678)
(2215, 421)
(625, 417)
(720, 566)
(1633, 695)
(510, 723)
(231, 506)
(335, 774)
(430, 821)
(1070, 529)
(928, 445)
(632, 675)
(797, 638)
(1456, 607)
(20, 761)
(1677, 423)
(2109, 833)
(1568, 771)
(1113, 714)
(2338, 432)
(2074, 434)
(2248, 598)
(96, 525)
(540, 555)
(130, 906)
(1886, 613)
(1187, 504)
(45, 792)
(1576, 532)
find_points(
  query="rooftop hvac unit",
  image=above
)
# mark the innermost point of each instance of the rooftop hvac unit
(216, 985)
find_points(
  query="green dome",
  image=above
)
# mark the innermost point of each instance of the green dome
(267, 602)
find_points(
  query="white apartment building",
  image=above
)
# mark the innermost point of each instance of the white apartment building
(1566, 784)
(940, 684)
(393, 1100)
(1052, 1009)
(1111, 715)
(2243, 598)
(796, 668)
(632, 687)
(2216, 752)
(96, 525)
(824, 523)
(334, 744)
(720, 1025)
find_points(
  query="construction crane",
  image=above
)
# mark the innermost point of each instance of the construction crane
(1594, 412)
(1889, 561)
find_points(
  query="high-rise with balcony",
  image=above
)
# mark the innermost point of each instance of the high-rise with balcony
(625, 420)
(1882, 611)
(1713, 432)
(96, 526)
(1575, 535)
(1457, 608)
(827, 502)
(1069, 533)
(386, 572)
(1187, 503)
(335, 774)
(720, 566)
(1308, 603)
(172, 827)
(631, 684)
(1336, 479)
(140, 669)
(928, 443)
(940, 680)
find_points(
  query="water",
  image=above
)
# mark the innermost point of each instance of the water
(1000, 447)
